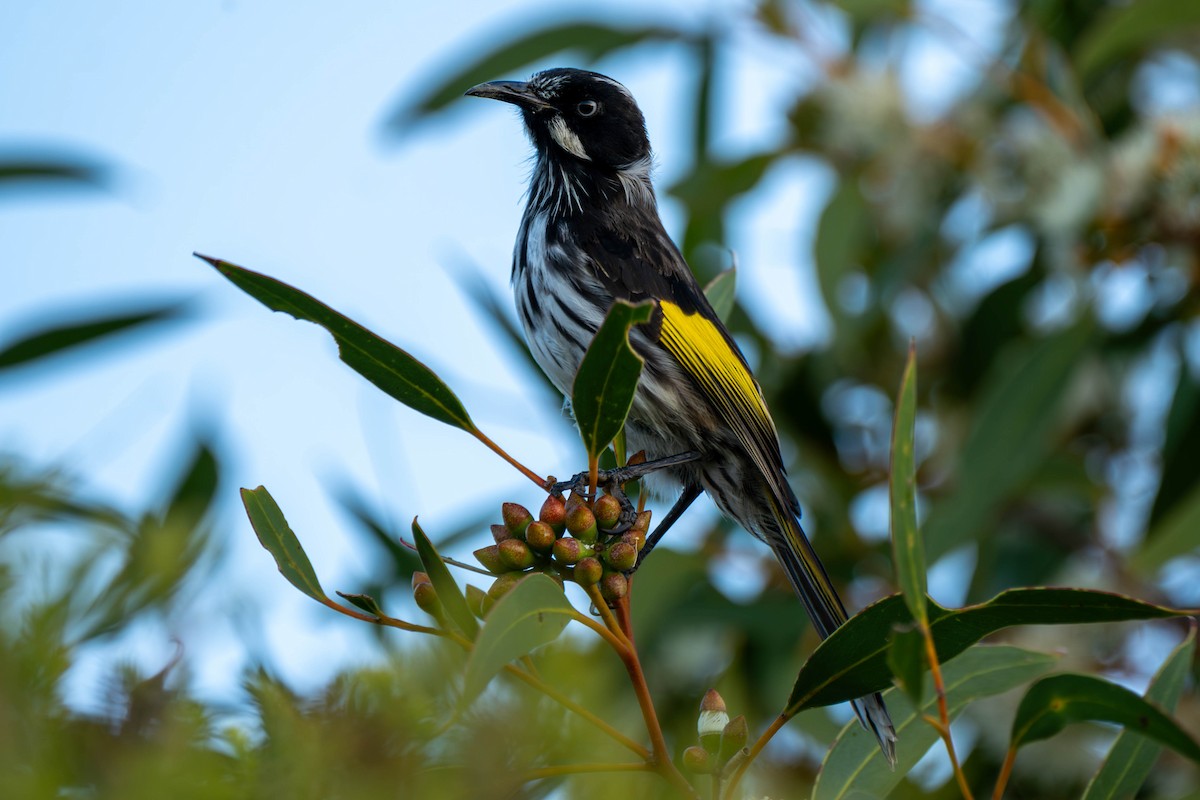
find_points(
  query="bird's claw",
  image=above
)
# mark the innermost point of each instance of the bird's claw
(612, 482)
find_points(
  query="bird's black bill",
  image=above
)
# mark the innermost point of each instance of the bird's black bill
(518, 93)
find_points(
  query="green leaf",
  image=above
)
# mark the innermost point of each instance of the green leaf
(588, 41)
(196, 490)
(852, 662)
(1016, 420)
(55, 172)
(447, 589)
(906, 659)
(275, 535)
(1181, 442)
(1174, 536)
(721, 292)
(873, 11)
(68, 336)
(608, 377)
(364, 602)
(382, 363)
(532, 614)
(908, 552)
(855, 766)
(1132, 757)
(1129, 29)
(1053, 703)
(842, 232)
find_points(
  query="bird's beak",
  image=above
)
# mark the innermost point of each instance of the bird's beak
(518, 93)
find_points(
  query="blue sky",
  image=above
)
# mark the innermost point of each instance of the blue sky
(253, 132)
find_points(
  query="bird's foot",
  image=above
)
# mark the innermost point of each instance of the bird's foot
(612, 481)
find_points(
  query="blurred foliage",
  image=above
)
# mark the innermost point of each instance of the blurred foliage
(1059, 417)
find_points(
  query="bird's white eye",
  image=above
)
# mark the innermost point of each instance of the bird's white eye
(587, 108)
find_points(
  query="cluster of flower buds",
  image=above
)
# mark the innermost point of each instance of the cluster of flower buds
(569, 540)
(721, 738)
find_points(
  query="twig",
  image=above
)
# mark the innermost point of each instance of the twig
(942, 724)
(1005, 773)
(498, 450)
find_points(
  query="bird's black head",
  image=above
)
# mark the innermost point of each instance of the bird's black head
(576, 114)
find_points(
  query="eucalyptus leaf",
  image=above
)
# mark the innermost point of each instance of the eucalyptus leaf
(1054, 702)
(908, 552)
(382, 363)
(279, 540)
(531, 614)
(364, 602)
(1131, 757)
(607, 378)
(855, 767)
(1128, 29)
(587, 41)
(1015, 421)
(68, 336)
(444, 584)
(852, 662)
(721, 292)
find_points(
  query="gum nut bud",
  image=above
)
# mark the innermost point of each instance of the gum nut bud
(476, 600)
(516, 518)
(734, 737)
(504, 584)
(489, 557)
(427, 599)
(696, 761)
(642, 523)
(621, 556)
(569, 551)
(637, 458)
(515, 554)
(614, 586)
(573, 499)
(711, 722)
(581, 522)
(554, 513)
(588, 571)
(419, 578)
(540, 536)
(635, 538)
(500, 533)
(607, 510)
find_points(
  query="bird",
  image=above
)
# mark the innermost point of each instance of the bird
(591, 235)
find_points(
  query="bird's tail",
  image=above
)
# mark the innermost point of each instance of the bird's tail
(807, 576)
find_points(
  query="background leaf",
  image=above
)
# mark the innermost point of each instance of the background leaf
(1126, 29)
(68, 336)
(721, 292)
(1017, 413)
(1175, 535)
(588, 41)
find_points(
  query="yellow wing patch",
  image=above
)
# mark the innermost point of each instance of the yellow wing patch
(704, 352)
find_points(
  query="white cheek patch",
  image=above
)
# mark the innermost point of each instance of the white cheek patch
(566, 138)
